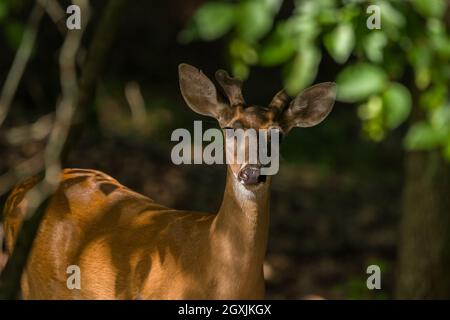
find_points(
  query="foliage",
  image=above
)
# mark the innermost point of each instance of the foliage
(376, 63)
(12, 28)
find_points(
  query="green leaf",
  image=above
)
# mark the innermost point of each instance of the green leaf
(396, 105)
(348, 12)
(422, 136)
(340, 42)
(440, 40)
(303, 26)
(211, 21)
(430, 8)
(13, 33)
(374, 44)
(374, 129)
(421, 54)
(392, 20)
(359, 81)
(391, 15)
(253, 19)
(302, 70)
(446, 151)
(372, 109)
(3, 10)
(240, 69)
(279, 48)
(441, 43)
(440, 121)
(327, 16)
(394, 63)
(421, 57)
(272, 5)
(308, 7)
(434, 97)
(244, 51)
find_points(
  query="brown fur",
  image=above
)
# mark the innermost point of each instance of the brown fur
(129, 247)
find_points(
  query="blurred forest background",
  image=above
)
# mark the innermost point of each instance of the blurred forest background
(370, 185)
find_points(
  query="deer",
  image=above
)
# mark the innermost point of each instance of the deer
(127, 246)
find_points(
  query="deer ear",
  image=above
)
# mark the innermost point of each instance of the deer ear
(309, 107)
(199, 92)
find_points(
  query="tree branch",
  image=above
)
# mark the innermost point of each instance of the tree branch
(20, 61)
(75, 99)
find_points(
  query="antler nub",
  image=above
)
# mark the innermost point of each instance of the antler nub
(231, 86)
(279, 101)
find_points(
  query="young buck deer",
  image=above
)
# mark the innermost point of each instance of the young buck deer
(129, 247)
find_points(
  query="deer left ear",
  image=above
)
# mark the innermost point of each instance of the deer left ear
(310, 107)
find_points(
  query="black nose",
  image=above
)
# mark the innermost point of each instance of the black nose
(250, 174)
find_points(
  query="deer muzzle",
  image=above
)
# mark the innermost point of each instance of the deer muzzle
(251, 175)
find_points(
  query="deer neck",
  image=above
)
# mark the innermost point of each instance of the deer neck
(240, 228)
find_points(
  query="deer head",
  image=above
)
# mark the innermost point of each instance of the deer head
(307, 109)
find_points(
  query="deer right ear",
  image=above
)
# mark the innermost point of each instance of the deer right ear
(310, 107)
(199, 92)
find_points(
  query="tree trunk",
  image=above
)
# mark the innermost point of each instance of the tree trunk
(424, 249)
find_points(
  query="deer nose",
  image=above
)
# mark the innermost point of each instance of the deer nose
(250, 174)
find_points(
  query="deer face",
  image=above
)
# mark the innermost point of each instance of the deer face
(307, 109)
